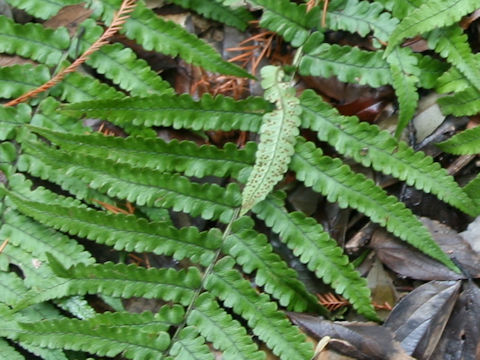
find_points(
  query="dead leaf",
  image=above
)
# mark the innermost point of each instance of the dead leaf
(408, 261)
(70, 17)
(381, 285)
(362, 341)
(472, 234)
(461, 338)
(418, 320)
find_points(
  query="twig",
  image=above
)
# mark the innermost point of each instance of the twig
(118, 20)
(4, 245)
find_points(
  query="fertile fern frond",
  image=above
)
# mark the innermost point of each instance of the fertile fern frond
(277, 138)
(124, 232)
(252, 251)
(314, 247)
(118, 280)
(225, 333)
(181, 111)
(362, 17)
(347, 63)
(466, 142)
(33, 41)
(44, 9)
(18, 79)
(429, 16)
(102, 338)
(174, 156)
(340, 184)
(214, 10)
(452, 44)
(369, 146)
(287, 19)
(143, 186)
(270, 325)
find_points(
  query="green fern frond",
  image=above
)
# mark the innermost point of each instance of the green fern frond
(452, 44)
(125, 232)
(43, 9)
(12, 288)
(269, 324)
(253, 252)
(118, 280)
(18, 79)
(473, 189)
(48, 116)
(286, 18)
(277, 138)
(466, 142)
(431, 69)
(94, 337)
(190, 345)
(348, 64)
(155, 153)
(181, 111)
(11, 118)
(360, 17)
(33, 41)
(76, 87)
(121, 65)
(169, 38)
(369, 146)
(401, 8)
(314, 247)
(143, 186)
(340, 184)
(429, 16)
(9, 352)
(214, 10)
(463, 103)
(225, 333)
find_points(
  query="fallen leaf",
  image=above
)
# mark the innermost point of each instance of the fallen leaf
(461, 337)
(382, 288)
(362, 341)
(419, 319)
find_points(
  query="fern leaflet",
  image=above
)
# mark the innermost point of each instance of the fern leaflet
(466, 142)
(18, 79)
(43, 9)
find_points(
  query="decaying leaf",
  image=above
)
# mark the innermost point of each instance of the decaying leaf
(409, 262)
(381, 285)
(362, 341)
(418, 320)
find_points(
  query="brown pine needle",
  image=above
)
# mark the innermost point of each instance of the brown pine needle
(118, 20)
(4, 245)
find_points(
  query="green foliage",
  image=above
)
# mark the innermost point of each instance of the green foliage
(184, 204)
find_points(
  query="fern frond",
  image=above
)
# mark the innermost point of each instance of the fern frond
(348, 64)
(12, 288)
(18, 79)
(33, 41)
(286, 18)
(473, 189)
(360, 17)
(47, 116)
(431, 69)
(404, 71)
(369, 146)
(76, 87)
(463, 103)
(269, 324)
(315, 248)
(225, 333)
(95, 337)
(214, 10)
(253, 252)
(466, 142)
(118, 280)
(209, 113)
(277, 138)
(11, 118)
(121, 65)
(155, 153)
(340, 184)
(9, 352)
(429, 16)
(401, 8)
(452, 44)
(143, 186)
(190, 345)
(43, 9)
(125, 232)
(166, 37)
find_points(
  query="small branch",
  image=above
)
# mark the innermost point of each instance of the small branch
(118, 20)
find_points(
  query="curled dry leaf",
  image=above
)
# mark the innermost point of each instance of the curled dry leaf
(419, 319)
(362, 341)
(409, 262)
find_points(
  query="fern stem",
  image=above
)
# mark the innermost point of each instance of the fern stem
(207, 272)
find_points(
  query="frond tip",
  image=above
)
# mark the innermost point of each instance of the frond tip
(277, 138)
